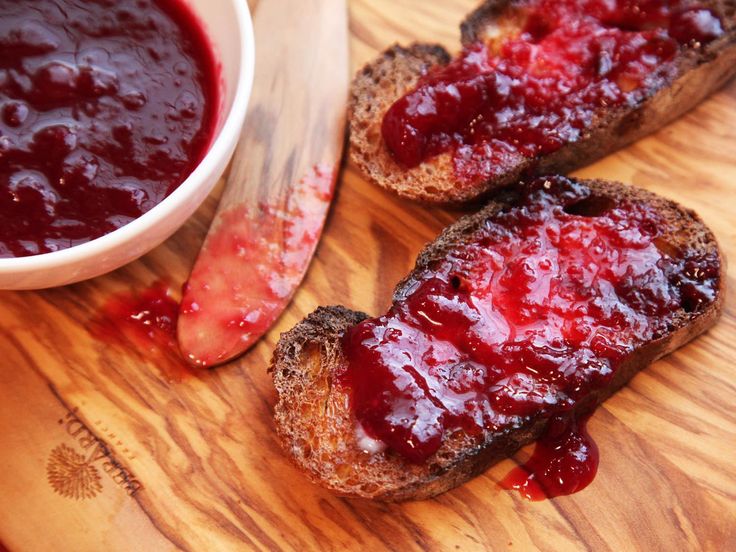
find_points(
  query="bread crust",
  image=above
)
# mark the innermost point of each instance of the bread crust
(698, 73)
(314, 420)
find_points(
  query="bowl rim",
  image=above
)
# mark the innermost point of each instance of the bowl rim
(220, 147)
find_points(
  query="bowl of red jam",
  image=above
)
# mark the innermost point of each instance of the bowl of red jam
(117, 118)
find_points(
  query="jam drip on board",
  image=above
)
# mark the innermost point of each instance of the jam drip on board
(106, 106)
(565, 461)
(524, 320)
(533, 92)
(144, 321)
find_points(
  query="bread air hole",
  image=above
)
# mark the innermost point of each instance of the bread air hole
(666, 247)
(305, 448)
(369, 488)
(344, 471)
(591, 206)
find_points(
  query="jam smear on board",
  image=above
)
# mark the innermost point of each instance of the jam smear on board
(530, 94)
(106, 106)
(144, 321)
(247, 272)
(523, 321)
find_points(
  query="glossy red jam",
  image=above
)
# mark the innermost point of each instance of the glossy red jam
(106, 106)
(144, 321)
(492, 107)
(526, 320)
(565, 461)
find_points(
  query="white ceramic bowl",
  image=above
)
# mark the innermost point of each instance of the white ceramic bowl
(230, 30)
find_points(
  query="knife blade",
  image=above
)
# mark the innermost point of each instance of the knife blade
(281, 181)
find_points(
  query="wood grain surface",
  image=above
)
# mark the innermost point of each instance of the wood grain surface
(192, 463)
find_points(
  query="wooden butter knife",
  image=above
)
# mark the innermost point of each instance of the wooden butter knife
(280, 184)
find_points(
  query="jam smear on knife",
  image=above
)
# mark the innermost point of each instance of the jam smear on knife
(249, 267)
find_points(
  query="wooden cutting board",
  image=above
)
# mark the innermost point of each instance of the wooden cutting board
(194, 464)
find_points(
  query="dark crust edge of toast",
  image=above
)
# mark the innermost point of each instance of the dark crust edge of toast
(471, 28)
(321, 331)
(699, 72)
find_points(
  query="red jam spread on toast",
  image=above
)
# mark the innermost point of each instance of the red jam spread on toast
(106, 106)
(532, 93)
(525, 319)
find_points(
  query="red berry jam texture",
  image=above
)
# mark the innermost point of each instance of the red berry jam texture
(528, 318)
(106, 106)
(541, 89)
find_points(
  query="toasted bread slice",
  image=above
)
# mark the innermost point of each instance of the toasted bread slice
(697, 73)
(320, 432)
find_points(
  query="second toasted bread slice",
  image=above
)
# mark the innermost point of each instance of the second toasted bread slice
(695, 71)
